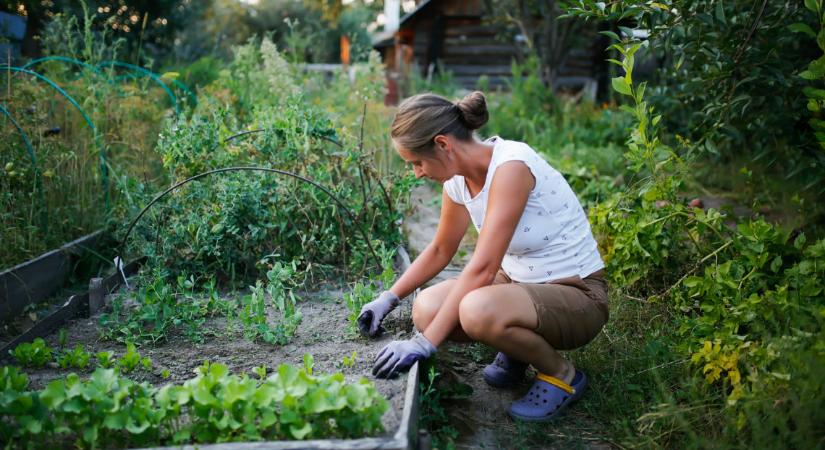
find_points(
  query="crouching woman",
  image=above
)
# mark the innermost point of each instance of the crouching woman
(534, 284)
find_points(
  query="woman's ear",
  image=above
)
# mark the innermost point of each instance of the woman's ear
(442, 142)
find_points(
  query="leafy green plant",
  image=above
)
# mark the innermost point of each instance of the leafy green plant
(349, 361)
(105, 359)
(62, 335)
(132, 359)
(77, 358)
(32, 354)
(109, 410)
(161, 309)
(365, 292)
(357, 297)
(744, 301)
(436, 394)
(254, 315)
(224, 226)
(720, 79)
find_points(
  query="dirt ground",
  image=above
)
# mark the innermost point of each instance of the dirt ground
(481, 419)
(322, 333)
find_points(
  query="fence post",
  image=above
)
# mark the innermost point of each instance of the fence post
(95, 295)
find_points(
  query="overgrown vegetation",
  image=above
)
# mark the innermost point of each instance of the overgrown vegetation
(67, 142)
(226, 224)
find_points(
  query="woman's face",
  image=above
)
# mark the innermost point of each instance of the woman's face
(433, 166)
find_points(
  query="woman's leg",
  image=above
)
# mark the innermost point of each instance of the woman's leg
(427, 304)
(504, 317)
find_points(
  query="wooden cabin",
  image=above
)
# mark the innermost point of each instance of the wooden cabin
(456, 36)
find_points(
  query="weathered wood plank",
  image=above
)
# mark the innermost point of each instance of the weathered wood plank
(471, 30)
(75, 306)
(479, 50)
(37, 279)
(467, 69)
(71, 309)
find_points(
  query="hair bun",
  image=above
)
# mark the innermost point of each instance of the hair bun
(473, 110)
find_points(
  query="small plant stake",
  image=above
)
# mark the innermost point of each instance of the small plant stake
(95, 295)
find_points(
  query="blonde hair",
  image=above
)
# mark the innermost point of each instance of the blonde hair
(423, 117)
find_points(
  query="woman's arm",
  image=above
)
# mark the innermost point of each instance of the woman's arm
(451, 228)
(510, 188)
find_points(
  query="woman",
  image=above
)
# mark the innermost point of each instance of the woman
(534, 284)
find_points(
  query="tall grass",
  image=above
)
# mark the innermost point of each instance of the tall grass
(71, 189)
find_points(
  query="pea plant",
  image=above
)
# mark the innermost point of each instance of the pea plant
(224, 225)
(254, 313)
(161, 309)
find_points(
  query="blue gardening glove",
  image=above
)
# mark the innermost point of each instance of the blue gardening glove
(374, 312)
(399, 356)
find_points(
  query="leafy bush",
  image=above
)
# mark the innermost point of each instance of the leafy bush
(750, 322)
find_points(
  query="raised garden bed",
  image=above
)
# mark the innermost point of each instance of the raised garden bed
(35, 280)
(323, 332)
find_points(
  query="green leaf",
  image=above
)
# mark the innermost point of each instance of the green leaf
(300, 433)
(811, 5)
(621, 86)
(309, 363)
(627, 32)
(799, 242)
(317, 402)
(116, 421)
(720, 13)
(628, 109)
(820, 39)
(800, 27)
(776, 264)
(611, 35)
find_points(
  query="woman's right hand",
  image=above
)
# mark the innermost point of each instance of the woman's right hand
(369, 321)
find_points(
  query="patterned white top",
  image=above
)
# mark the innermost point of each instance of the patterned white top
(553, 238)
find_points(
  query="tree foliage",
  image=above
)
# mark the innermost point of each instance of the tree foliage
(729, 78)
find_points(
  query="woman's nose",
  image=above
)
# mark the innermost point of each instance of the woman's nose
(418, 172)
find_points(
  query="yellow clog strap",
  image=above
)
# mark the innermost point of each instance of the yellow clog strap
(556, 382)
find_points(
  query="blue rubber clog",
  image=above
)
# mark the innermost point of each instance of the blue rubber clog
(504, 371)
(547, 398)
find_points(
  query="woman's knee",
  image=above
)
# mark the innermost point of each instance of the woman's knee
(427, 304)
(480, 316)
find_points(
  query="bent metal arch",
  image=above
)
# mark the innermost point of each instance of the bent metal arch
(341, 205)
(387, 200)
(134, 72)
(38, 182)
(104, 168)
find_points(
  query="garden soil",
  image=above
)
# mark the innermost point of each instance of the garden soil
(322, 333)
(480, 417)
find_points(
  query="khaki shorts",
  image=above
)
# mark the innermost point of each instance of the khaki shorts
(570, 311)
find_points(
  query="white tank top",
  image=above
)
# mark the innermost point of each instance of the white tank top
(553, 238)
